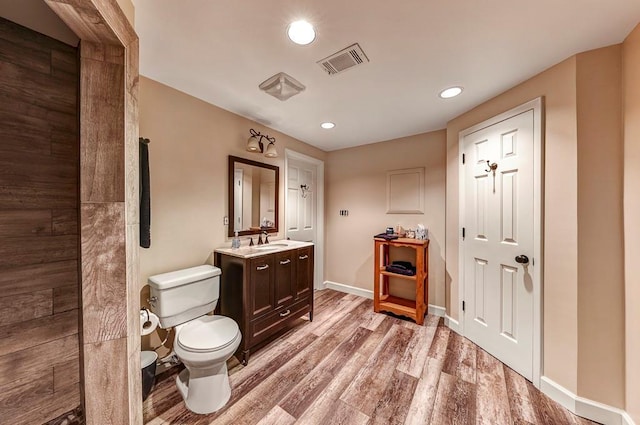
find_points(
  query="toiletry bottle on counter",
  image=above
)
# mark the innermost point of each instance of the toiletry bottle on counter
(235, 243)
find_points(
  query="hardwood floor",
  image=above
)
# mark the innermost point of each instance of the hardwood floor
(352, 366)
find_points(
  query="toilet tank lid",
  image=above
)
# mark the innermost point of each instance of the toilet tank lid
(180, 277)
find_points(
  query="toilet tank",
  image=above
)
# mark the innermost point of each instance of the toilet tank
(183, 295)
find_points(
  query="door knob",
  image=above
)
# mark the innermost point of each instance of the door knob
(522, 259)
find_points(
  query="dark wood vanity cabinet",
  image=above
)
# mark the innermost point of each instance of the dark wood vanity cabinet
(304, 274)
(261, 286)
(265, 294)
(285, 277)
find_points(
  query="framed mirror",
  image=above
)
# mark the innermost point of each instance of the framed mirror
(253, 196)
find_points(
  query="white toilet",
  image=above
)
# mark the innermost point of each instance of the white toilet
(181, 299)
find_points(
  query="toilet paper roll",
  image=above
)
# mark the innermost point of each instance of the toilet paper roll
(148, 322)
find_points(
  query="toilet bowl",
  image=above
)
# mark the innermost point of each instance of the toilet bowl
(182, 299)
(204, 345)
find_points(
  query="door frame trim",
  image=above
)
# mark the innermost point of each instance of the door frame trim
(318, 273)
(537, 105)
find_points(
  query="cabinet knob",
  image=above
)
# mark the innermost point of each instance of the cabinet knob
(303, 257)
(287, 261)
(260, 268)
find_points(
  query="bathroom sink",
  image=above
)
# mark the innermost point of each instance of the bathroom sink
(271, 246)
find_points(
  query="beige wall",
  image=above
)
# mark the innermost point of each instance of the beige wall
(558, 87)
(583, 307)
(356, 181)
(128, 9)
(190, 143)
(631, 90)
(600, 226)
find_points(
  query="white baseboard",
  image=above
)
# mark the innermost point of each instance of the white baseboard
(349, 289)
(452, 324)
(627, 420)
(436, 310)
(584, 407)
(558, 393)
(433, 309)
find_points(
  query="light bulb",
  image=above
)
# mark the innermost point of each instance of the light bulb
(301, 32)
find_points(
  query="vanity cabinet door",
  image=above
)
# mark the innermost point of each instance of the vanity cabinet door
(285, 277)
(261, 283)
(304, 280)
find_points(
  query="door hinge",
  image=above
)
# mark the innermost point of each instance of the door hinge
(463, 233)
(463, 158)
(463, 306)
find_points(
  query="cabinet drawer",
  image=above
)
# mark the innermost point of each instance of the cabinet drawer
(266, 326)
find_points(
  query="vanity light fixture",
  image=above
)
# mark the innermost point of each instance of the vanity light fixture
(301, 32)
(254, 144)
(450, 92)
(327, 125)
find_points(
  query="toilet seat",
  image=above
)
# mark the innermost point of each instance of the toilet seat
(208, 334)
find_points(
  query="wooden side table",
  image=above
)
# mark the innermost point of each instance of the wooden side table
(382, 300)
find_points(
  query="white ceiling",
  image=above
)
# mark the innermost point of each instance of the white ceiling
(220, 51)
(35, 14)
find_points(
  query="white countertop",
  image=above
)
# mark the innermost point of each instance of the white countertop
(257, 250)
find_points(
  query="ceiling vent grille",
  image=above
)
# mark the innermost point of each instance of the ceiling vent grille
(344, 59)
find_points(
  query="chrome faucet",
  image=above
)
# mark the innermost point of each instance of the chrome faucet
(266, 237)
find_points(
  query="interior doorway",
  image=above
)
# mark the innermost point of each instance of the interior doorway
(304, 205)
(500, 246)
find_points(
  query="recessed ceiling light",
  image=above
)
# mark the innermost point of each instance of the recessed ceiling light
(301, 32)
(450, 92)
(327, 125)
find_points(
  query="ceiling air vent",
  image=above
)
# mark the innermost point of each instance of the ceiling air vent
(344, 59)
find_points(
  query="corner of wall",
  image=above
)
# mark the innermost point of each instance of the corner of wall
(600, 226)
(631, 101)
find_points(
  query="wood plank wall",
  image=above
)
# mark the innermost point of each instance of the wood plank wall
(108, 209)
(39, 285)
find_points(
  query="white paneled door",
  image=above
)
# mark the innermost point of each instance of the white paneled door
(301, 201)
(498, 245)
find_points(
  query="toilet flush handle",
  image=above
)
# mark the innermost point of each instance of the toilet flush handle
(152, 301)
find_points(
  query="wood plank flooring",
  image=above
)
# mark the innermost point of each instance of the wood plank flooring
(352, 366)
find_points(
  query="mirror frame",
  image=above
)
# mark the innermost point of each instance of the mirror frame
(232, 161)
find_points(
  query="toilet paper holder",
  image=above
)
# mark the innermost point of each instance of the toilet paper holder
(148, 321)
(144, 315)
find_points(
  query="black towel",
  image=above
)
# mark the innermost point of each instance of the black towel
(386, 236)
(401, 267)
(145, 195)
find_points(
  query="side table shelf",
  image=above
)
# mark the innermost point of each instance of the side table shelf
(382, 300)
